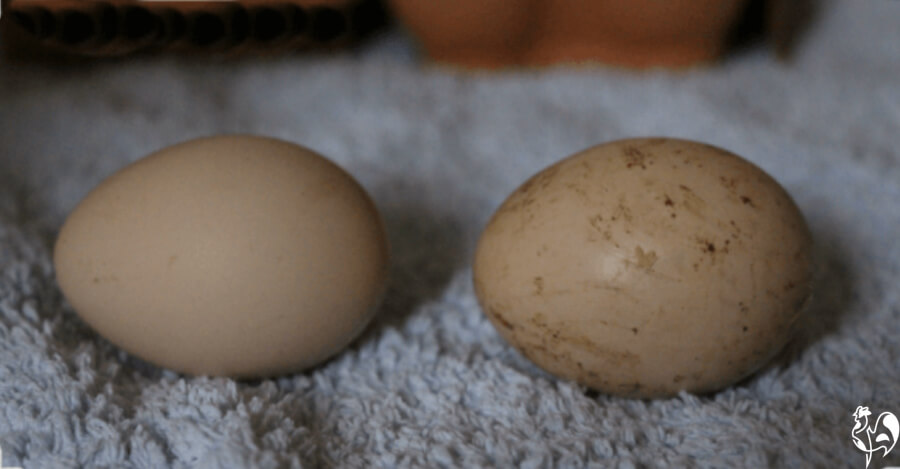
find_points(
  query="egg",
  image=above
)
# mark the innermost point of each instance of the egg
(238, 256)
(645, 267)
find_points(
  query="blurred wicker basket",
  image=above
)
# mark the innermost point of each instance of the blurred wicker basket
(118, 27)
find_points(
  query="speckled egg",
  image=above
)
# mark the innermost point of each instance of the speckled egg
(647, 266)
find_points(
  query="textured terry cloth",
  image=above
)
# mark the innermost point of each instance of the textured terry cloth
(430, 383)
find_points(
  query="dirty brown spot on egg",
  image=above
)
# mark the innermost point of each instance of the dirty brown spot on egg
(529, 185)
(502, 320)
(645, 260)
(538, 285)
(578, 190)
(634, 158)
(105, 279)
(728, 183)
(622, 211)
(597, 222)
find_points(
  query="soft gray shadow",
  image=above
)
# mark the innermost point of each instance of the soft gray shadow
(427, 247)
(25, 211)
(834, 290)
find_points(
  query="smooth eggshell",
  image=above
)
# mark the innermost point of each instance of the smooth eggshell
(235, 255)
(645, 267)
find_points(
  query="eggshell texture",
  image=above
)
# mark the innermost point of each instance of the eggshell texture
(235, 255)
(644, 267)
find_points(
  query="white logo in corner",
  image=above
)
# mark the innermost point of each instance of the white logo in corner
(881, 435)
(1, 462)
